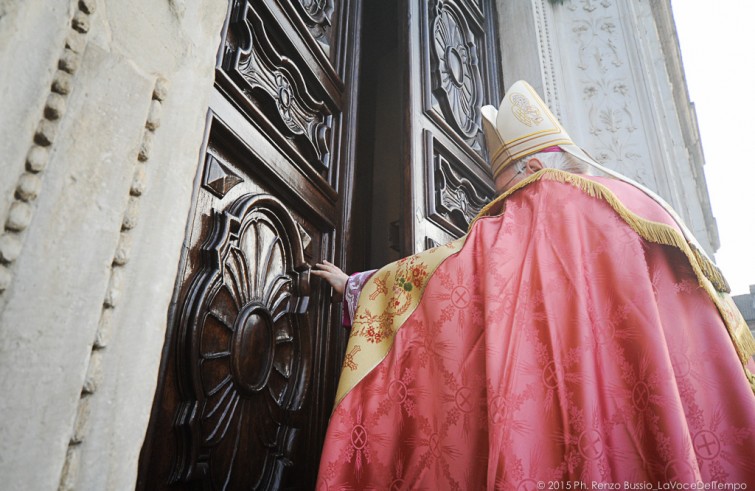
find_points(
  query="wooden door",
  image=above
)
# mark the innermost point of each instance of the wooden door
(432, 65)
(253, 348)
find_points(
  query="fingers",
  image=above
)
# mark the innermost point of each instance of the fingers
(332, 274)
(322, 274)
(327, 266)
(327, 272)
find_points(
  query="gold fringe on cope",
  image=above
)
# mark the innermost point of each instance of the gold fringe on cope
(709, 276)
(712, 272)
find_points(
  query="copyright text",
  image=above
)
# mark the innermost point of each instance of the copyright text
(636, 486)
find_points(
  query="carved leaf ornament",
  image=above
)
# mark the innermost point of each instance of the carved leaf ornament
(456, 199)
(269, 77)
(245, 349)
(457, 81)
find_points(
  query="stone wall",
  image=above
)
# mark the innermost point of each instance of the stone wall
(611, 71)
(104, 110)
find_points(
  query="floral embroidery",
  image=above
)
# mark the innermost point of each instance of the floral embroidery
(390, 296)
(401, 288)
(374, 328)
(410, 272)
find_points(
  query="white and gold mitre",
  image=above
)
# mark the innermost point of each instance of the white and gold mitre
(521, 126)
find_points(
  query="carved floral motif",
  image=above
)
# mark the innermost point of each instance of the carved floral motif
(604, 76)
(456, 74)
(244, 349)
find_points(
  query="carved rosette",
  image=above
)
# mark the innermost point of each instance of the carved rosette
(244, 350)
(456, 75)
(274, 80)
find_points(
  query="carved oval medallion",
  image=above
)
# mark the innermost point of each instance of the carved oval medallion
(252, 349)
(455, 66)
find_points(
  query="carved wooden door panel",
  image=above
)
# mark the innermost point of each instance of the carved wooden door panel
(457, 73)
(442, 67)
(253, 348)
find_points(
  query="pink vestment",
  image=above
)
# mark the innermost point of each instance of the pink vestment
(557, 346)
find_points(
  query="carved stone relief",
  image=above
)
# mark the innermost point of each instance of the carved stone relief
(244, 350)
(456, 79)
(607, 90)
(276, 83)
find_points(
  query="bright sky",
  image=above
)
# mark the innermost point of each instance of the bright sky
(717, 41)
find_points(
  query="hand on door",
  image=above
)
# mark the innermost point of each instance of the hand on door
(332, 274)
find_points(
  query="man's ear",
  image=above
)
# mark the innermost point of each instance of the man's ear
(534, 164)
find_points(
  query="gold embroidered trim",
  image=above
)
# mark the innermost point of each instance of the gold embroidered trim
(387, 300)
(708, 275)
